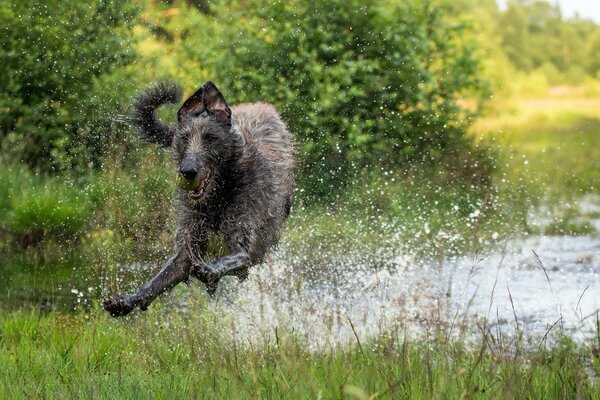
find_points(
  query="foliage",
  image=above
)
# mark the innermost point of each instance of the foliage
(54, 57)
(361, 84)
(368, 99)
(537, 41)
(534, 33)
(593, 49)
(37, 208)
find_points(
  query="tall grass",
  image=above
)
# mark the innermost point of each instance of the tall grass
(119, 213)
(33, 208)
(195, 356)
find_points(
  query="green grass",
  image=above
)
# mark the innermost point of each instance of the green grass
(117, 215)
(35, 207)
(397, 213)
(159, 355)
(549, 151)
(552, 144)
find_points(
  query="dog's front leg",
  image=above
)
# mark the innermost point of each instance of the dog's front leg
(175, 270)
(236, 263)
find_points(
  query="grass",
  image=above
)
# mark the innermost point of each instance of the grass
(426, 220)
(34, 207)
(548, 153)
(554, 143)
(168, 355)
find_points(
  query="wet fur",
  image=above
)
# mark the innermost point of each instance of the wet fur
(251, 157)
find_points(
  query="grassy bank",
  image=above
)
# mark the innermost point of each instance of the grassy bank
(189, 356)
(558, 141)
(550, 148)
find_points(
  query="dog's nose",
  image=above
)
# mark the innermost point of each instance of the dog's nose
(188, 172)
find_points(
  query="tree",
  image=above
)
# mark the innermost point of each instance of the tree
(593, 52)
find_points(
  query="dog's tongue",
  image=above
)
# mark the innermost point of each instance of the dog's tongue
(201, 187)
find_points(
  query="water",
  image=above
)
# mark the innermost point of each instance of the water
(422, 297)
(528, 285)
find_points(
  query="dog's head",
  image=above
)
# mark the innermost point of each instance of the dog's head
(203, 143)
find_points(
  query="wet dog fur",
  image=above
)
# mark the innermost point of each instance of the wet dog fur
(243, 159)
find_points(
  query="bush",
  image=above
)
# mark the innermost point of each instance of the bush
(53, 56)
(362, 84)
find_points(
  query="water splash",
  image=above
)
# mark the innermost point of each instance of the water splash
(503, 288)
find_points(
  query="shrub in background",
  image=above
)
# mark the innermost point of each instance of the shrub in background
(53, 57)
(362, 84)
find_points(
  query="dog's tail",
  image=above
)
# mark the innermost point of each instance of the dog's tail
(144, 106)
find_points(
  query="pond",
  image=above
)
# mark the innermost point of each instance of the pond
(498, 288)
(528, 285)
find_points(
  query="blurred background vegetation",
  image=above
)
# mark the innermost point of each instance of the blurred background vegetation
(400, 110)
(426, 129)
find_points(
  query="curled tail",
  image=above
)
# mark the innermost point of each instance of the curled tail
(144, 106)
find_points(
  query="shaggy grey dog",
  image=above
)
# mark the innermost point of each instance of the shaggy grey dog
(236, 175)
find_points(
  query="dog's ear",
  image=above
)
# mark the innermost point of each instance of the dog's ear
(192, 107)
(215, 103)
(206, 99)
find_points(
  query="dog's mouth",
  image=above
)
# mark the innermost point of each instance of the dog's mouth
(197, 193)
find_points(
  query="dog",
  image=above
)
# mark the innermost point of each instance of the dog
(235, 173)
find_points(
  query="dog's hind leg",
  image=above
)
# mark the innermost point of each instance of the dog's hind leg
(236, 264)
(176, 270)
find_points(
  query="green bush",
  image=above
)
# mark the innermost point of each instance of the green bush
(362, 84)
(54, 55)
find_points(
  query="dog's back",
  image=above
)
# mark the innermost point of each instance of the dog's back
(261, 125)
(268, 160)
(262, 128)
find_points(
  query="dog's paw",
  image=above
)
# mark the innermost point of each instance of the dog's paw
(205, 274)
(118, 306)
